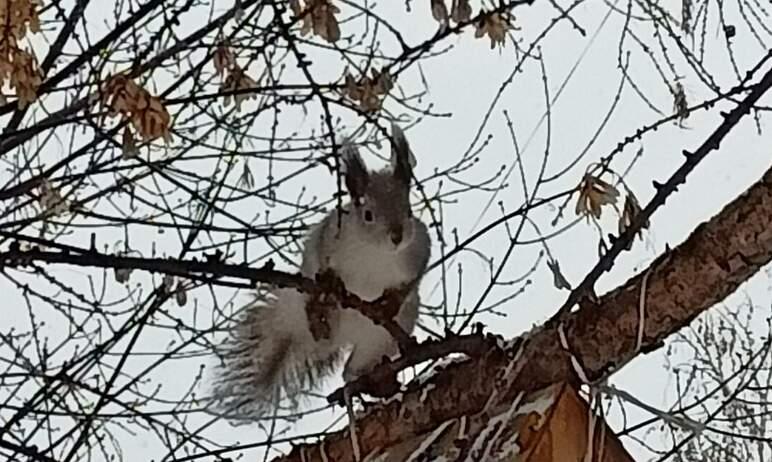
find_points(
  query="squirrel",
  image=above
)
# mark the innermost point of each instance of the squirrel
(374, 245)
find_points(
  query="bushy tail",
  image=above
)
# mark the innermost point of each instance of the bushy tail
(269, 361)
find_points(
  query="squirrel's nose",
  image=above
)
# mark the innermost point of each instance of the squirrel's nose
(396, 235)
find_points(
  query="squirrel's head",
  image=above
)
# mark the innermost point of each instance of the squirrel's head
(381, 200)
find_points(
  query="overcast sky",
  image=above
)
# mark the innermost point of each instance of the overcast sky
(467, 84)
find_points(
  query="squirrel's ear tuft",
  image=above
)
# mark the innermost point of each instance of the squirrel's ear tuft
(354, 170)
(402, 159)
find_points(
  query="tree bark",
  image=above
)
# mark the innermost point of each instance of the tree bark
(711, 264)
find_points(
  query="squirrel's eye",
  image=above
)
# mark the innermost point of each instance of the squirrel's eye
(368, 215)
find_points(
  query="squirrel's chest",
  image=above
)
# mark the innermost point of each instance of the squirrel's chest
(368, 271)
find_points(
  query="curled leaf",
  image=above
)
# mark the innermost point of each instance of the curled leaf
(297, 10)
(680, 104)
(236, 85)
(128, 145)
(630, 211)
(223, 58)
(319, 17)
(368, 91)
(594, 193)
(460, 11)
(51, 200)
(495, 26)
(247, 180)
(180, 294)
(25, 77)
(168, 283)
(122, 275)
(238, 11)
(383, 81)
(154, 121)
(440, 11)
(146, 112)
(19, 67)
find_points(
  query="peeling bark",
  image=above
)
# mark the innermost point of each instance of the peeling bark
(710, 265)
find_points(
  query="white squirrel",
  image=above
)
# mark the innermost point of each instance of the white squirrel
(272, 355)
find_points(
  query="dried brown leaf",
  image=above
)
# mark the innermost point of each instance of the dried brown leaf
(318, 17)
(630, 210)
(146, 112)
(238, 81)
(181, 294)
(223, 58)
(51, 200)
(297, 10)
(128, 145)
(495, 26)
(168, 283)
(440, 11)
(122, 275)
(460, 11)
(594, 193)
(368, 91)
(680, 104)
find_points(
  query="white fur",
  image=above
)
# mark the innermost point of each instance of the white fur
(367, 270)
(272, 355)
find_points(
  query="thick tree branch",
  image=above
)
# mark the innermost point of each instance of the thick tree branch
(211, 265)
(711, 264)
(664, 190)
(212, 269)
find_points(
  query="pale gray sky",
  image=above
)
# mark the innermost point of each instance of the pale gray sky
(463, 83)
